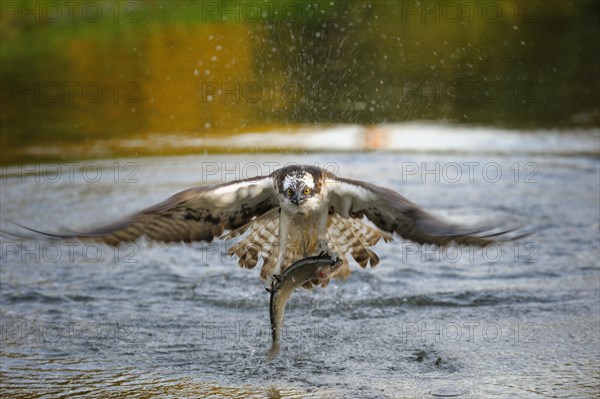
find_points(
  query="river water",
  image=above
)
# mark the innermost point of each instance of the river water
(521, 320)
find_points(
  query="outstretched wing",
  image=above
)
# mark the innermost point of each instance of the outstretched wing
(196, 214)
(391, 212)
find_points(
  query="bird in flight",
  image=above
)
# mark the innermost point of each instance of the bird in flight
(295, 212)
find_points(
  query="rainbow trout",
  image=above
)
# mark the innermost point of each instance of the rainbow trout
(285, 283)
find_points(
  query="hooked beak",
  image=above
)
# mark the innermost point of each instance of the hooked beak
(296, 200)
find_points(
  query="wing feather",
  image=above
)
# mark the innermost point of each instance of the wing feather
(391, 212)
(195, 214)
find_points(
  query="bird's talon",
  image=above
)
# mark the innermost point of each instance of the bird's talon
(325, 249)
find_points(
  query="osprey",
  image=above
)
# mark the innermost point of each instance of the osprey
(295, 212)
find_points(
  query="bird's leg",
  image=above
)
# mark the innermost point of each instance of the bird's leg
(324, 273)
(323, 246)
(279, 248)
(275, 276)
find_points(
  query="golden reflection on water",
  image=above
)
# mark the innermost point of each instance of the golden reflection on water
(170, 78)
(166, 80)
(75, 378)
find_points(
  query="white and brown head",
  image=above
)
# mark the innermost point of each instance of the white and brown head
(300, 187)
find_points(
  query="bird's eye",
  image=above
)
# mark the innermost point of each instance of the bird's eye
(289, 192)
(306, 191)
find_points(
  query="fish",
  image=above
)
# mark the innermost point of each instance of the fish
(282, 286)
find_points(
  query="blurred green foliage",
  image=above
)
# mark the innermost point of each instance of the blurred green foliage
(77, 71)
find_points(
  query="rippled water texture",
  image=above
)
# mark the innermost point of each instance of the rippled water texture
(182, 320)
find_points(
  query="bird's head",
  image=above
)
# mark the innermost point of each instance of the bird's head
(300, 188)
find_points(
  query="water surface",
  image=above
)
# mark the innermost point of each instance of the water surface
(183, 320)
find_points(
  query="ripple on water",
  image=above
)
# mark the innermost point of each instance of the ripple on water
(450, 299)
(34, 296)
